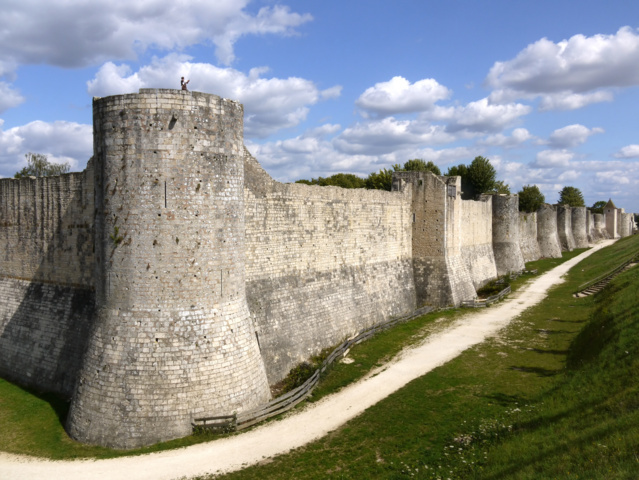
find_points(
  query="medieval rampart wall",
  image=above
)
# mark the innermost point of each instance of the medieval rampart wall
(528, 236)
(547, 235)
(505, 220)
(322, 263)
(477, 240)
(564, 228)
(625, 226)
(46, 278)
(600, 225)
(579, 224)
(46, 228)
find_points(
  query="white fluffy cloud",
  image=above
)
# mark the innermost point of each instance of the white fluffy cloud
(9, 97)
(553, 158)
(571, 136)
(572, 101)
(398, 95)
(571, 73)
(479, 117)
(60, 141)
(518, 137)
(270, 104)
(73, 34)
(630, 151)
(389, 134)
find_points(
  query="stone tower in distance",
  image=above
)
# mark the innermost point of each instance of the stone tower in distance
(173, 338)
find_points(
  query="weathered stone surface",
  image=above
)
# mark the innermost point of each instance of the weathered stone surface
(440, 273)
(322, 263)
(508, 257)
(173, 338)
(564, 228)
(600, 225)
(43, 332)
(578, 221)
(477, 240)
(547, 235)
(528, 236)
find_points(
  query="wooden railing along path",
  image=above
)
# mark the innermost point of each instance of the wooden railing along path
(594, 286)
(290, 399)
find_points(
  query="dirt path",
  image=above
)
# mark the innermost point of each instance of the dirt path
(313, 422)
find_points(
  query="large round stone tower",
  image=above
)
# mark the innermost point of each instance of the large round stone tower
(547, 235)
(508, 257)
(579, 223)
(173, 339)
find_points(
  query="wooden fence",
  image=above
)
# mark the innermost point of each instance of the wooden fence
(290, 399)
(474, 303)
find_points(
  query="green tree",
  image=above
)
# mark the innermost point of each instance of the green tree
(482, 175)
(477, 178)
(461, 170)
(419, 165)
(530, 198)
(598, 207)
(500, 187)
(344, 180)
(39, 166)
(380, 181)
(572, 197)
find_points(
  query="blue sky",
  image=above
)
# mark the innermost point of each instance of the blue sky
(547, 90)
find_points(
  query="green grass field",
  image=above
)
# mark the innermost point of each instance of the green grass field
(555, 396)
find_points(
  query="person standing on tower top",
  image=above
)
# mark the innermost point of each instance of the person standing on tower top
(183, 83)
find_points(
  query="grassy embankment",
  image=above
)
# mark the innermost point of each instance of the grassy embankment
(471, 416)
(555, 396)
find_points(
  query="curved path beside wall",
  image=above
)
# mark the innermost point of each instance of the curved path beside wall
(309, 424)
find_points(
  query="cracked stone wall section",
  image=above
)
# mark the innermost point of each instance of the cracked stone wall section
(625, 228)
(600, 225)
(564, 228)
(477, 240)
(441, 275)
(579, 224)
(322, 263)
(508, 256)
(528, 236)
(547, 235)
(612, 225)
(173, 338)
(46, 278)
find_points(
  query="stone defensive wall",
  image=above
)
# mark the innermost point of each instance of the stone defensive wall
(174, 279)
(322, 263)
(528, 236)
(579, 226)
(505, 219)
(600, 226)
(564, 228)
(547, 235)
(477, 240)
(46, 278)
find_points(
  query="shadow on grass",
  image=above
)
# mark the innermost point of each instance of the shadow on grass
(58, 404)
(506, 400)
(542, 372)
(550, 352)
(548, 331)
(546, 455)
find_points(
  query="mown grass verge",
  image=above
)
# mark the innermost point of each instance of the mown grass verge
(555, 396)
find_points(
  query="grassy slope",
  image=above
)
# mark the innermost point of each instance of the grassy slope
(554, 397)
